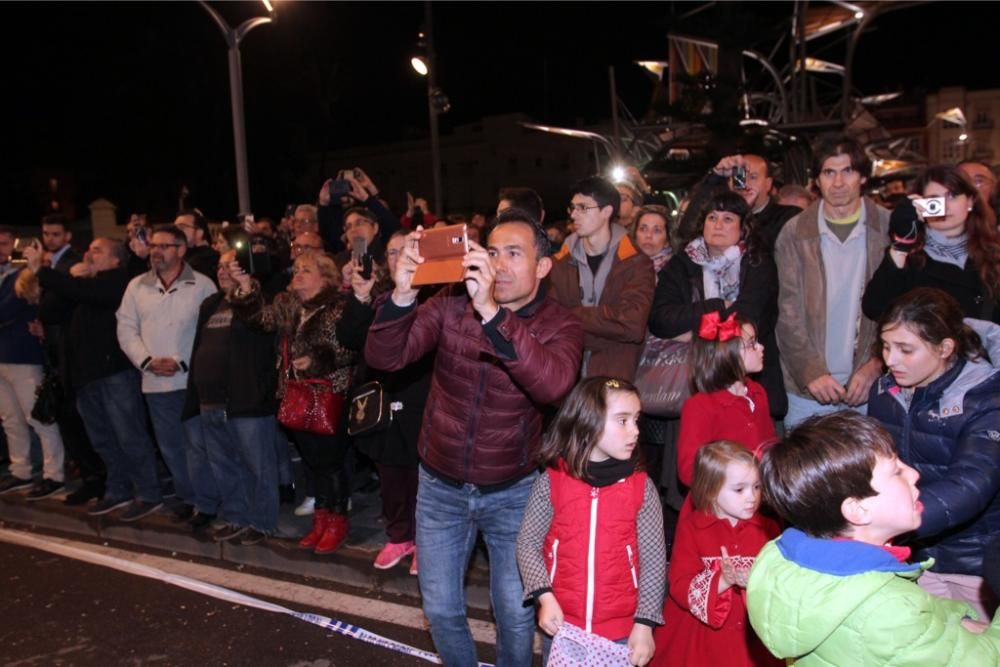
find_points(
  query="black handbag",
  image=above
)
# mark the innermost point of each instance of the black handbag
(48, 396)
(368, 412)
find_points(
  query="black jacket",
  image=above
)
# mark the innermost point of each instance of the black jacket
(204, 259)
(251, 377)
(92, 344)
(408, 388)
(679, 303)
(890, 282)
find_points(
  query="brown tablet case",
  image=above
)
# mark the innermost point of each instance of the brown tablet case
(443, 250)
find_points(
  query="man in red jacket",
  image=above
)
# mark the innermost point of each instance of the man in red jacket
(504, 351)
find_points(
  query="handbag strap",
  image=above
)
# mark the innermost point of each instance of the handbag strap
(285, 366)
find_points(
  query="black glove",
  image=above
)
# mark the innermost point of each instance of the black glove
(905, 226)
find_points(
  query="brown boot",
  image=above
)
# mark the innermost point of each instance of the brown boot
(335, 533)
(321, 518)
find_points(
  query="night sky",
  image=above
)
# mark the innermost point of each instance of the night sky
(132, 100)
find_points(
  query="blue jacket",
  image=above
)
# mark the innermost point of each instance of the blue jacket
(17, 345)
(951, 435)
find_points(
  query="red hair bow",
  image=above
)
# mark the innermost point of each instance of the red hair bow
(712, 328)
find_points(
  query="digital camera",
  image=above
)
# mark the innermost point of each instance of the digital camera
(739, 178)
(930, 207)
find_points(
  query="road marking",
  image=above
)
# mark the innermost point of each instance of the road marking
(379, 610)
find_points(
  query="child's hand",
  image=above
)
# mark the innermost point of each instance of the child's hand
(733, 575)
(976, 627)
(550, 614)
(640, 644)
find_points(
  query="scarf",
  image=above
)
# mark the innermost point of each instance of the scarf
(660, 260)
(952, 250)
(721, 275)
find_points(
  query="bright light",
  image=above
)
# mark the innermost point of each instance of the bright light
(419, 64)
(267, 6)
(618, 173)
(963, 136)
(859, 15)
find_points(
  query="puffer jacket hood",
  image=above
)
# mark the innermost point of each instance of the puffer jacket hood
(824, 604)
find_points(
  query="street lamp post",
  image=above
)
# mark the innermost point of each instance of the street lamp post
(233, 37)
(437, 102)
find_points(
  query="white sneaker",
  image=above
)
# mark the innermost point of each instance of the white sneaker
(307, 507)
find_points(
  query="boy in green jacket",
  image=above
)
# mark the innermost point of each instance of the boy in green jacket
(832, 590)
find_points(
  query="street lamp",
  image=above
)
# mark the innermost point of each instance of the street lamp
(233, 37)
(437, 101)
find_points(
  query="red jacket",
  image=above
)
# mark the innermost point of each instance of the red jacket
(483, 420)
(722, 415)
(703, 628)
(599, 596)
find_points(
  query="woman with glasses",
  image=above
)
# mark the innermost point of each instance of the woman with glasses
(723, 269)
(306, 318)
(957, 251)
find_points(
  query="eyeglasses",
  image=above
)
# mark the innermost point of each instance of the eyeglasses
(579, 208)
(163, 246)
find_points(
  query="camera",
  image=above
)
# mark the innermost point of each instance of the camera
(339, 188)
(17, 254)
(930, 207)
(140, 235)
(257, 264)
(361, 256)
(739, 178)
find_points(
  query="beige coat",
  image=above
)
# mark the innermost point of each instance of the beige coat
(801, 325)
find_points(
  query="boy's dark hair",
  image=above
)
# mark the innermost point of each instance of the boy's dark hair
(56, 219)
(603, 192)
(176, 232)
(525, 199)
(198, 220)
(831, 145)
(821, 463)
(579, 424)
(517, 215)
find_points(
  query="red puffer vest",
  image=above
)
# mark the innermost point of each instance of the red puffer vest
(592, 551)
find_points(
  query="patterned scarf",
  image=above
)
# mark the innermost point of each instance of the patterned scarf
(660, 260)
(952, 250)
(721, 275)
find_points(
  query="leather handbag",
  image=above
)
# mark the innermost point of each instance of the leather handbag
(369, 411)
(662, 376)
(309, 405)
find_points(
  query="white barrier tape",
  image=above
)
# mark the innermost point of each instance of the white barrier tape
(218, 592)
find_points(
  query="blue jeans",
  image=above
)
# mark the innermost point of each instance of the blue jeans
(209, 437)
(800, 409)
(255, 438)
(284, 457)
(112, 413)
(448, 518)
(189, 467)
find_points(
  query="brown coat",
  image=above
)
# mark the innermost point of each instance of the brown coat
(801, 325)
(614, 329)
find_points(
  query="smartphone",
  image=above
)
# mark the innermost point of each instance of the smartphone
(257, 264)
(443, 250)
(140, 234)
(17, 254)
(361, 256)
(739, 178)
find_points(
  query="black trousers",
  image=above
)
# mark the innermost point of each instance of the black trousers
(325, 457)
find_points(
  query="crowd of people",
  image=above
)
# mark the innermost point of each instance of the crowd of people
(843, 419)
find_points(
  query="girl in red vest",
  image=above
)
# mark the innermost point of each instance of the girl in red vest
(718, 536)
(725, 403)
(590, 549)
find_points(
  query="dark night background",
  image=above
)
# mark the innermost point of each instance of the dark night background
(131, 100)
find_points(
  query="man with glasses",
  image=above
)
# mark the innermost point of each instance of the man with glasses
(279, 280)
(200, 256)
(156, 327)
(755, 188)
(605, 280)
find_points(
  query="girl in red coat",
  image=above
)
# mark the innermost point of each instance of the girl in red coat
(725, 404)
(718, 536)
(590, 548)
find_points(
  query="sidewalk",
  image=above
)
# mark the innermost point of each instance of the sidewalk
(351, 564)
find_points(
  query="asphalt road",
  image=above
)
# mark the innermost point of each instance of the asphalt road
(58, 611)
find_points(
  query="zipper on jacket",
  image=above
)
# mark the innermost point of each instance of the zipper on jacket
(631, 565)
(470, 433)
(555, 555)
(591, 549)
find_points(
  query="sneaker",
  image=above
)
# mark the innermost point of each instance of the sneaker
(413, 563)
(251, 536)
(14, 484)
(185, 512)
(45, 488)
(392, 553)
(201, 521)
(306, 507)
(108, 505)
(86, 492)
(138, 510)
(228, 532)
